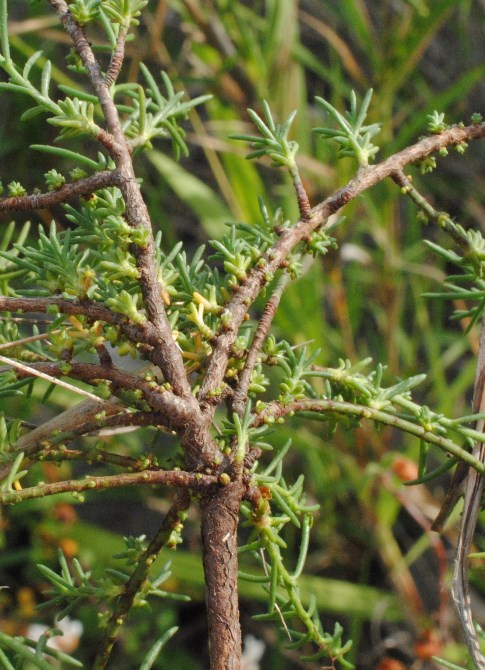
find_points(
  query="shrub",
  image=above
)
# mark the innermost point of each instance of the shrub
(209, 370)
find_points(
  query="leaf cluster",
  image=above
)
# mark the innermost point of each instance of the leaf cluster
(280, 504)
(468, 254)
(73, 585)
(353, 136)
(151, 115)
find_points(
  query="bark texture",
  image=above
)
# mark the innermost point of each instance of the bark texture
(220, 509)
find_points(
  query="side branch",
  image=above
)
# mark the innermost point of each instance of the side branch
(78, 38)
(136, 211)
(145, 333)
(274, 257)
(474, 485)
(173, 478)
(125, 602)
(84, 419)
(67, 192)
(174, 410)
(117, 58)
(77, 421)
(275, 410)
(260, 335)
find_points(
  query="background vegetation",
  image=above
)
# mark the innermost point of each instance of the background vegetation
(373, 563)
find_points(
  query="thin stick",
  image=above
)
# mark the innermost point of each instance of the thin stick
(174, 478)
(473, 497)
(125, 602)
(275, 410)
(67, 192)
(258, 340)
(26, 340)
(53, 380)
(117, 57)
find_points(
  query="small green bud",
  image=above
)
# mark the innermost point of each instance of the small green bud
(84, 11)
(65, 367)
(442, 219)
(477, 117)
(428, 164)
(140, 237)
(16, 190)
(52, 309)
(54, 180)
(103, 390)
(77, 173)
(226, 318)
(111, 334)
(436, 123)
(224, 479)
(461, 147)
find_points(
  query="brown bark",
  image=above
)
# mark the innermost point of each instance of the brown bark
(220, 510)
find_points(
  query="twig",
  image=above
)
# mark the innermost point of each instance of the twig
(304, 206)
(27, 340)
(67, 192)
(33, 372)
(134, 584)
(117, 57)
(276, 410)
(69, 424)
(173, 478)
(408, 189)
(274, 257)
(95, 456)
(473, 497)
(73, 419)
(82, 420)
(173, 409)
(136, 212)
(465, 479)
(104, 356)
(145, 334)
(258, 340)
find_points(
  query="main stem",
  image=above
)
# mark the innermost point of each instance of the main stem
(220, 512)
